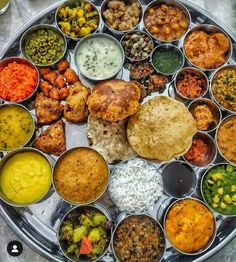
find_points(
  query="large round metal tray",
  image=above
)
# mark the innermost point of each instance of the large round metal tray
(37, 225)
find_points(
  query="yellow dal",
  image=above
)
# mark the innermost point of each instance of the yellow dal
(16, 127)
(25, 177)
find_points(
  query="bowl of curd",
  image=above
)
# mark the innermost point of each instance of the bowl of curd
(25, 177)
(99, 57)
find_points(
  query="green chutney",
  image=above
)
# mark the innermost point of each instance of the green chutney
(167, 60)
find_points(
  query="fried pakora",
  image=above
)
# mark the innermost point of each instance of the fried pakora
(71, 76)
(44, 70)
(45, 87)
(54, 94)
(60, 81)
(62, 65)
(50, 77)
(52, 140)
(75, 108)
(63, 93)
(47, 110)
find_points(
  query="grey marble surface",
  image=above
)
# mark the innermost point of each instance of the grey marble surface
(21, 11)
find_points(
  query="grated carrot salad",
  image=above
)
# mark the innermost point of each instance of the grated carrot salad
(17, 81)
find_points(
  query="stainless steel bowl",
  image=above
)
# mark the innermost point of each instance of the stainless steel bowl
(212, 150)
(2, 163)
(71, 3)
(196, 72)
(35, 28)
(19, 105)
(187, 183)
(210, 29)
(138, 32)
(119, 32)
(54, 171)
(174, 3)
(79, 210)
(201, 188)
(139, 215)
(94, 36)
(20, 60)
(217, 115)
(210, 241)
(216, 138)
(167, 47)
(212, 82)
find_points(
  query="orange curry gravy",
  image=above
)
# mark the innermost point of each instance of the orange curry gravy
(81, 175)
(207, 51)
(189, 225)
(226, 138)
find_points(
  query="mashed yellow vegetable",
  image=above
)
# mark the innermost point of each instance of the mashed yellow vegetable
(25, 177)
(16, 127)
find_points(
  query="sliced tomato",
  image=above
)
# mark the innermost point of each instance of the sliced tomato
(86, 246)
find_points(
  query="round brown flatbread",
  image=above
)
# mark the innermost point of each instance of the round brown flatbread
(162, 129)
(114, 100)
(109, 139)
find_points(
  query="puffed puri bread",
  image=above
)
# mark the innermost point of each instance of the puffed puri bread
(162, 129)
(114, 100)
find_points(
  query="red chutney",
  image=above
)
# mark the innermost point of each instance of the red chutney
(198, 151)
(17, 81)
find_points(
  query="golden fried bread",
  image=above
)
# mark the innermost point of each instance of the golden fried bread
(114, 100)
(162, 129)
(52, 140)
(47, 110)
(75, 108)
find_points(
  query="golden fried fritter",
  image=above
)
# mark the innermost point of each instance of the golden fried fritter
(114, 100)
(47, 110)
(60, 81)
(75, 108)
(71, 76)
(62, 65)
(44, 70)
(45, 87)
(54, 94)
(50, 77)
(52, 140)
(63, 93)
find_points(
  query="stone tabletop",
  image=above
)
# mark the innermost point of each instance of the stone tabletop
(21, 11)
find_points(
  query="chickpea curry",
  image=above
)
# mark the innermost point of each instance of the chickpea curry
(224, 87)
(166, 22)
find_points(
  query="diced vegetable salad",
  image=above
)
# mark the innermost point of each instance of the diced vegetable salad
(87, 233)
